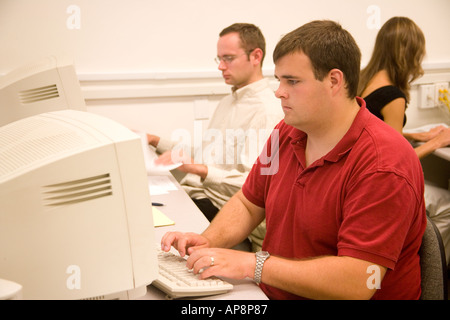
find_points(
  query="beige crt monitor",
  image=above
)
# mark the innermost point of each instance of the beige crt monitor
(75, 211)
(45, 85)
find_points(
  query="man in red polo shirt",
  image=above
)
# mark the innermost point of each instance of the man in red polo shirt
(342, 196)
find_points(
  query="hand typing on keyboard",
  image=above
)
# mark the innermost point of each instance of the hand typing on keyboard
(177, 280)
(185, 243)
(207, 262)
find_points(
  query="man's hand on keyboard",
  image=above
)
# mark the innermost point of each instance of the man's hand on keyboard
(185, 243)
(227, 263)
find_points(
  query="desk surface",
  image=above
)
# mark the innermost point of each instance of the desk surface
(443, 153)
(188, 218)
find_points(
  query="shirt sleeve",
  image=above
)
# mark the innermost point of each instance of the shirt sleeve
(379, 219)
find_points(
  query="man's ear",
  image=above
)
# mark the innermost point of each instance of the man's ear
(257, 55)
(336, 80)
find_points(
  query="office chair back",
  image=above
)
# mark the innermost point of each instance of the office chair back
(433, 264)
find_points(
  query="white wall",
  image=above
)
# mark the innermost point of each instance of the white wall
(153, 35)
(142, 62)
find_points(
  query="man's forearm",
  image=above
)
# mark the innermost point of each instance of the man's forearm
(234, 222)
(327, 277)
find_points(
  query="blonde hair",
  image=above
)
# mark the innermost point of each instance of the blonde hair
(399, 50)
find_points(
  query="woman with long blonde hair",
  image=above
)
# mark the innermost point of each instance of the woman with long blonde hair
(385, 82)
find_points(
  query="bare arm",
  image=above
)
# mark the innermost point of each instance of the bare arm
(234, 222)
(394, 113)
(232, 225)
(438, 140)
(327, 277)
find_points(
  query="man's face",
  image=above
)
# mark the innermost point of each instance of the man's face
(237, 69)
(303, 97)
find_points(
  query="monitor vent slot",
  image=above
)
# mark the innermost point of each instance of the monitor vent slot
(38, 94)
(77, 191)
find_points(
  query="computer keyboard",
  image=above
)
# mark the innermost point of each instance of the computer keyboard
(177, 281)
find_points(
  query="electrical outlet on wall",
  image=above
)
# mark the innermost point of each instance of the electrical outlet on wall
(427, 96)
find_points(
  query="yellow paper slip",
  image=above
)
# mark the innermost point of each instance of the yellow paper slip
(160, 219)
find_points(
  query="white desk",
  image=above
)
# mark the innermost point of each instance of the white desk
(188, 218)
(443, 153)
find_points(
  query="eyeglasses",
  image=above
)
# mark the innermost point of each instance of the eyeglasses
(227, 59)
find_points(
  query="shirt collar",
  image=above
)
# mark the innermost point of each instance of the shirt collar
(352, 135)
(250, 89)
(349, 139)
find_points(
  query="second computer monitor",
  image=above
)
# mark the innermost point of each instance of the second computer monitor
(49, 84)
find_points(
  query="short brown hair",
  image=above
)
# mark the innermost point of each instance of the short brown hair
(250, 35)
(328, 46)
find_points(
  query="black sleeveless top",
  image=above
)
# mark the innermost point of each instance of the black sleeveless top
(379, 98)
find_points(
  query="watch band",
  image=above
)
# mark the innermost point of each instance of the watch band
(261, 257)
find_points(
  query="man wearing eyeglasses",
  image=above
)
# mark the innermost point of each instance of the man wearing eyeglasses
(251, 109)
(240, 55)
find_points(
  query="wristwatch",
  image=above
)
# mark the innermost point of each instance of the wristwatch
(261, 257)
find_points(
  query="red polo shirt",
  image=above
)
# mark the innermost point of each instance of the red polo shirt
(363, 199)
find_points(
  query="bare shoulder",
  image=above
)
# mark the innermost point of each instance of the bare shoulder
(379, 80)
